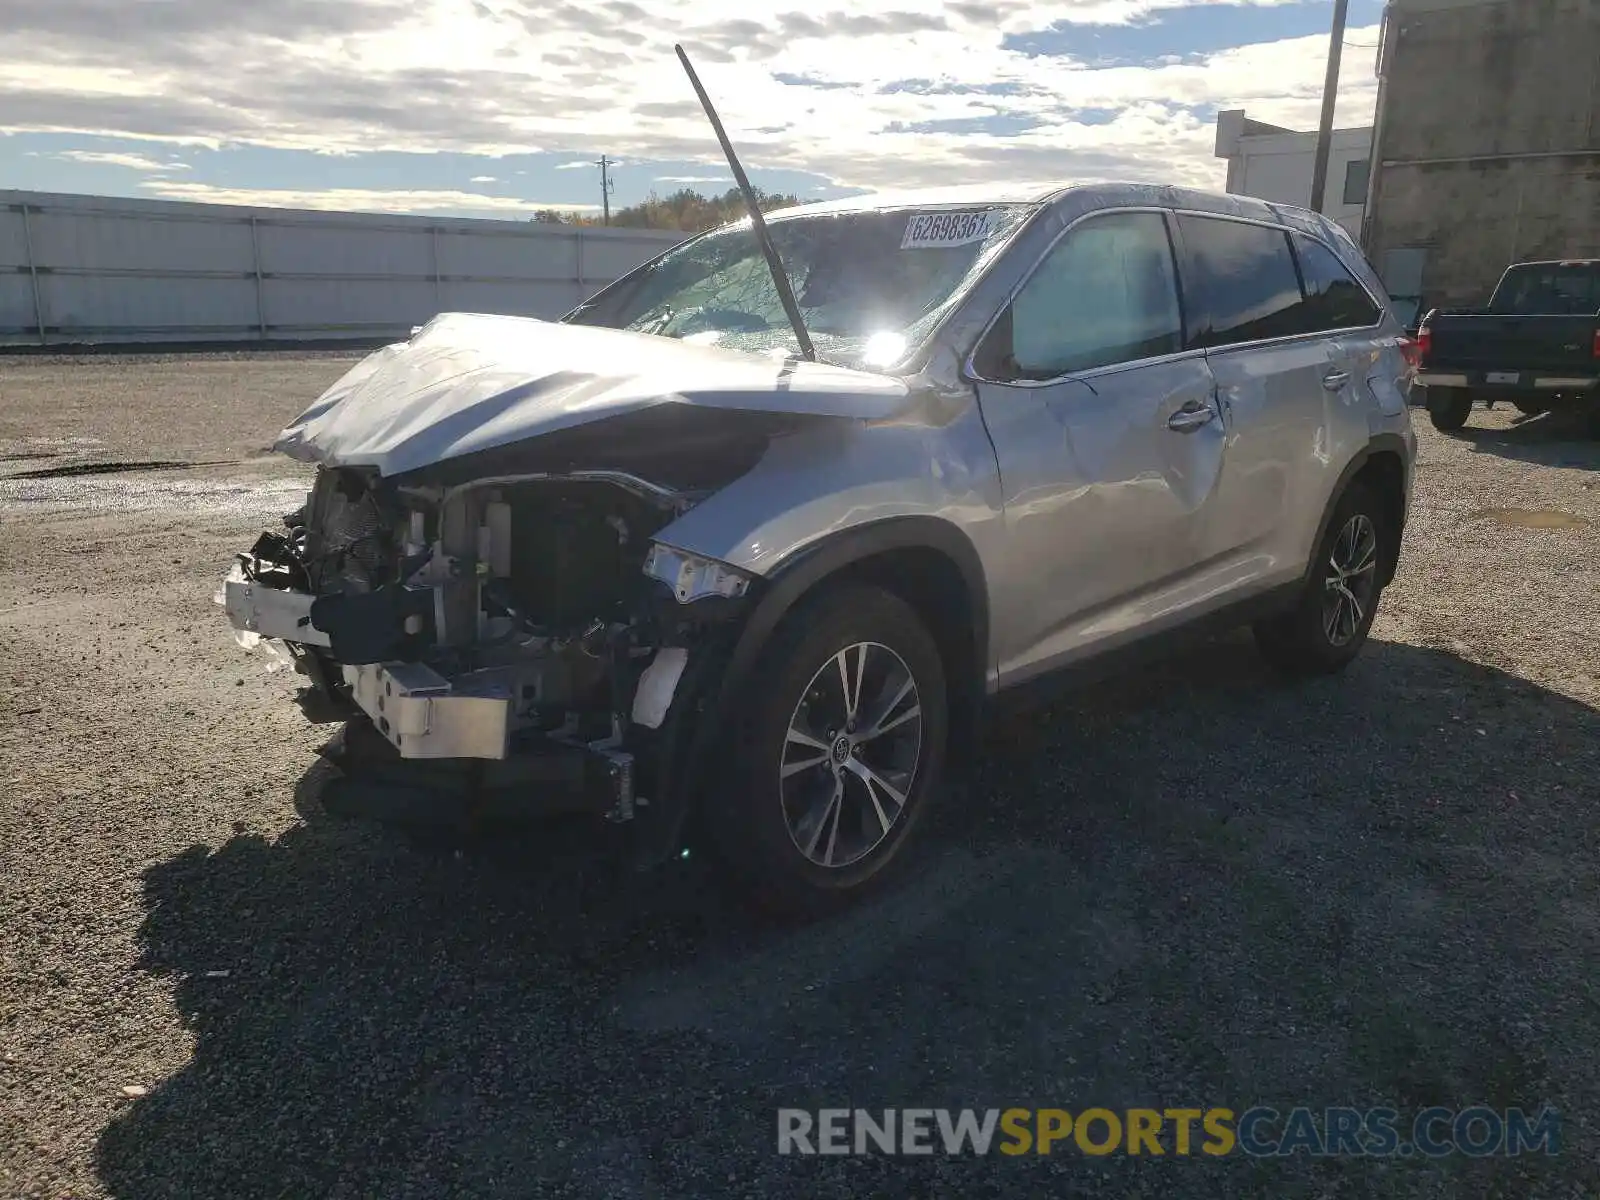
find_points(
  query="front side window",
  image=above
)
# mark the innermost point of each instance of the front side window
(1248, 287)
(1334, 300)
(1107, 293)
(870, 285)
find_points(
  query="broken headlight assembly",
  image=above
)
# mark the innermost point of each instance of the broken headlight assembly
(692, 577)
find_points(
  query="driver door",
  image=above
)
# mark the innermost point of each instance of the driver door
(1109, 439)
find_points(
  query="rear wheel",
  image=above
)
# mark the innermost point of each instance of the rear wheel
(1530, 408)
(842, 743)
(1325, 631)
(1449, 408)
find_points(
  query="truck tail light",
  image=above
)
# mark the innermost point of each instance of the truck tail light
(1416, 349)
(1597, 343)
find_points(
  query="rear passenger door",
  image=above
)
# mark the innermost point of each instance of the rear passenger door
(1341, 309)
(1275, 379)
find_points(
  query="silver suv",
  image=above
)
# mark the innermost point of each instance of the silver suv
(652, 562)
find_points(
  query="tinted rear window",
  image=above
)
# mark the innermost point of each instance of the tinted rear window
(1572, 289)
(1243, 279)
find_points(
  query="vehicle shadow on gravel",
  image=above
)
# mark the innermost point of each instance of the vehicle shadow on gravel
(1198, 886)
(1562, 439)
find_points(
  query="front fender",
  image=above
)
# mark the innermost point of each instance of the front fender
(824, 480)
(798, 576)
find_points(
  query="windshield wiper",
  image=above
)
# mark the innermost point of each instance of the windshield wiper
(780, 278)
(663, 318)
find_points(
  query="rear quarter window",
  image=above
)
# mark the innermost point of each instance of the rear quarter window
(1334, 300)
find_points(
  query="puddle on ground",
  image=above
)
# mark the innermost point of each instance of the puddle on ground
(1530, 518)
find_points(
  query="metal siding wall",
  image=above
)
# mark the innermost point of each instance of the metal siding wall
(112, 270)
(606, 259)
(16, 289)
(515, 299)
(537, 255)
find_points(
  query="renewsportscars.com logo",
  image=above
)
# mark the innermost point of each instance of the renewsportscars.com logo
(1476, 1132)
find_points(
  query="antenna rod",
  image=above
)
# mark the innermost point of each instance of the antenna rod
(780, 277)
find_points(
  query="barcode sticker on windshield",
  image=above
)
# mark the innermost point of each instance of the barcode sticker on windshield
(945, 229)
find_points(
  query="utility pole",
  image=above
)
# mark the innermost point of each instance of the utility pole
(1330, 98)
(605, 165)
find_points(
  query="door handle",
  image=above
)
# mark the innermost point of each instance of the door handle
(1191, 416)
(1334, 380)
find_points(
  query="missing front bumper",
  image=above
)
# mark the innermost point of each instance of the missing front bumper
(540, 779)
(424, 715)
(270, 612)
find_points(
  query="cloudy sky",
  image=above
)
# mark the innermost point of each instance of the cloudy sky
(499, 107)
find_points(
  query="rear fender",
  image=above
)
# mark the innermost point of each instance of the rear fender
(1383, 443)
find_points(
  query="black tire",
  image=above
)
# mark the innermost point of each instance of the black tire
(1530, 408)
(1449, 408)
(760, 819)
(1302, 641)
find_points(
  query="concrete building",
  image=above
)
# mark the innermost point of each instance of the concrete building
(1487, 143)
(1273, 163)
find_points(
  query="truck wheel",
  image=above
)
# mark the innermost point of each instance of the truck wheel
(1325, 631)
(1449, 408)
(842, 742)
(1530, 408)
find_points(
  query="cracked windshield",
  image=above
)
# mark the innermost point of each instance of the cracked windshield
(870, 285)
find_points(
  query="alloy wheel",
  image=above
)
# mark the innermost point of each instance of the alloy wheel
(850, 754)
(1351, 582)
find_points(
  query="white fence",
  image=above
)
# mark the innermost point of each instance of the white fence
(84, 269)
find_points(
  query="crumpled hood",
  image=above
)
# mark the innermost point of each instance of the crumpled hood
(466, 383)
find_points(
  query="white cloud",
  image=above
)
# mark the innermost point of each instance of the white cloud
(133, 162)
(586, 77)
(356, 199)
(483, 179)
(693, 179)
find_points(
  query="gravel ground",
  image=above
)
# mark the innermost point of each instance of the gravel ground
(1197, 887)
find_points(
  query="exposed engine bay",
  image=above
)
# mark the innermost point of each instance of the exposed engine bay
(528, 572)
(506, 616)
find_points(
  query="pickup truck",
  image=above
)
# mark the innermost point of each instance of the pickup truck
(1536, 347)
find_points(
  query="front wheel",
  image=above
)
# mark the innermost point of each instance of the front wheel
(842, 743)
(1449, 408)
(1325, 631)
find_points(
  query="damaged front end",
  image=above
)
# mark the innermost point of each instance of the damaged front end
(519, 638)
(485, 580)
